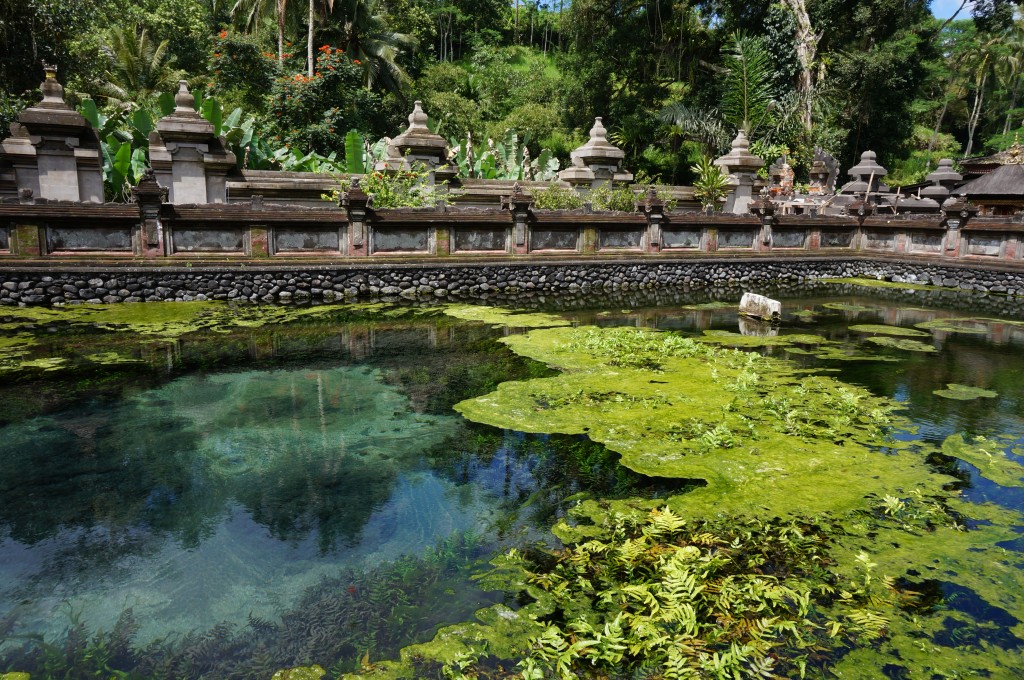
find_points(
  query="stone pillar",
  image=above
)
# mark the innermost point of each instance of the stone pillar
(596, 163)
(53, 150)
(417, 145)
(187, 156)
(150, 197)
(654, 209)
(742, 167)
(356, 204)
(518, 203)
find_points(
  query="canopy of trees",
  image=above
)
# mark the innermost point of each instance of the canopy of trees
(672, 80)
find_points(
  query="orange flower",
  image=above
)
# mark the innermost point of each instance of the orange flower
(216, 54)
(356, 62)
(222, 34)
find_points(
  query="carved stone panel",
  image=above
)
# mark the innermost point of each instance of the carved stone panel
(554, 239)
(292, 240)
(879, 240)
(789, 238)
(739, 238)
(681, 238)
(93, 239)
(208, 240)
(924, 242)
(836, 239)
(480, 238)
(620, 239)
(984, 245)
(411, 239)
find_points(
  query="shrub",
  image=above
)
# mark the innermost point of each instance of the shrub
(557, 197)
(609, 197)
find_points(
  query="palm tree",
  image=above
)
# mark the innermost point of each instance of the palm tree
(252, 13)
(138, 69)
(366, 39)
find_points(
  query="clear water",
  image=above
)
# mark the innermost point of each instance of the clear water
(221, 483)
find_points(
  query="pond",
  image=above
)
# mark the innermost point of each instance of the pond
(198, 490)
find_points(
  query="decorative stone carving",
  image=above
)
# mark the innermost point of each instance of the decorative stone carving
(596, 163)
(417, 145)
(53, 150)
(742, 167)
(867, 175)
(943, 179)
(187, 156)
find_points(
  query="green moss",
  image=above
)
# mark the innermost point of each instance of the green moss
(876, 283)
(313, 672)
(45, 363)
(964, 392)
(848, 307)
(502, 317)
(888, 330)
(901, 343)
(988, 456)
(764, 436)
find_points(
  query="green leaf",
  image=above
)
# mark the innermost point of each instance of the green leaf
(139, 163)
(143, 122)
(212, 112)
(166, 102)
(232, 120)
(354, 153)
(91, 113)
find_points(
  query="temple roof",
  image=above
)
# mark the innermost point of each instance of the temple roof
(1004, 181)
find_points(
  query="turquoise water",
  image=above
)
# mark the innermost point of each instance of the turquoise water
(231, 482)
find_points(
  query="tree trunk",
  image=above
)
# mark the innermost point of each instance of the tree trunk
(972, 123)
(281, 4)
(806, 53)
(309, 42)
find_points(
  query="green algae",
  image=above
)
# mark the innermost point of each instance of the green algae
(709, 306)
(313, 672)
(878, 283)
(988, 456)
(969, 326)
(901, 343)
(731, 339)
(805, 314)
(848, 307)
(502, 317)
(964, 392)
(764, 436)
(882, 329)
(44, 363)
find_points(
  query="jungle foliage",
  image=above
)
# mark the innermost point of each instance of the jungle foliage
(673, 80)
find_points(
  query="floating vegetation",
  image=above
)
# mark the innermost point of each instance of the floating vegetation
(988, 456)
(969, 326)
(882, 329)
(503, 317)
(804, 314)
(879, 283)
(709, 306)
(902, 343)
(730, 339)
(763, 435)
(965, 392)
(848, 307)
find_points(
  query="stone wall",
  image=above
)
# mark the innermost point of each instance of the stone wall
(489, 281)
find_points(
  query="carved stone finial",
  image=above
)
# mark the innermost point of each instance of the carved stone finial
(418, 119)
(53, 91)
(184, 101)
(598, 133)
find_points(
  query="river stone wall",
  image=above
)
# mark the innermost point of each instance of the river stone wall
(48, 287)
